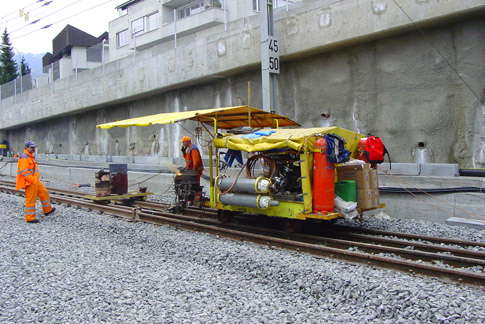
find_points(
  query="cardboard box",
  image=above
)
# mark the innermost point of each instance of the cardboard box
(360, 173)
(365, 199)
(375, 198)
(373, 179)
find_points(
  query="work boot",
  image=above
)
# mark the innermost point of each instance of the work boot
(35, 221)
(52, 211)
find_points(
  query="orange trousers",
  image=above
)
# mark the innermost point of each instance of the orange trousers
(31, 193)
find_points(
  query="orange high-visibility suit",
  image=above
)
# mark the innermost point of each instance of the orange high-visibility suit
(28, 178)
(193, 160)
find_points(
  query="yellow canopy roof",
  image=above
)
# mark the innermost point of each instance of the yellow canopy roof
(228, 117)
(287, 138)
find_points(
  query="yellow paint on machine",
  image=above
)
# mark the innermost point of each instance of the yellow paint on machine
(286, 209)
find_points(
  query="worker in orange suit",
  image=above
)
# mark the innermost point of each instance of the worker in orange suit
(28, 178)
(193, 160)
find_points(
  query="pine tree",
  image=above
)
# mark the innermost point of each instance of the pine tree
(24, 67)
(8, 67)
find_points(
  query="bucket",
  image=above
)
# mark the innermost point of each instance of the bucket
(347, 190)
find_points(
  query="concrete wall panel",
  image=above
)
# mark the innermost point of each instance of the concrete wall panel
(397, 87)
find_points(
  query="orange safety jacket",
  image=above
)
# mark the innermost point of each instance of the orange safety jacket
(193, 160)
(27, 170)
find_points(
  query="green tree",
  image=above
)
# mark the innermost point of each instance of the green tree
(24, 67)
(8, 67)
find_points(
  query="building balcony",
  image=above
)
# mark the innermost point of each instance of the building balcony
(175, 3)
(205, 19)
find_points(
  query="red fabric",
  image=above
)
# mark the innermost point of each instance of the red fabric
(372, 149)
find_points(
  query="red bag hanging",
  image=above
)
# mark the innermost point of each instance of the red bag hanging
(372, 150)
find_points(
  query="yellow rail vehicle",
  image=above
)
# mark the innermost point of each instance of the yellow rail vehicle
(277, 173)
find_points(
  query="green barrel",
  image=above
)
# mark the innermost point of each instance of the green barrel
(347, 190)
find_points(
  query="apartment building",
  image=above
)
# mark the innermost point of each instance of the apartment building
(74, 50)
(145, 23)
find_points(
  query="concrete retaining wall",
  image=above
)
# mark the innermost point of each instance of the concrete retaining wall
(397, 87)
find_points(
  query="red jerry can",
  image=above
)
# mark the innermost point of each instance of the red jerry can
(323, 179)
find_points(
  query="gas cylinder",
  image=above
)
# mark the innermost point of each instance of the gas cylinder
(323, 179)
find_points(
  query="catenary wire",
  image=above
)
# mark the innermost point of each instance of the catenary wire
(63, 19)
(37, 20)
(23, 7)
(420, 30)
(21, 26)
(42, 6)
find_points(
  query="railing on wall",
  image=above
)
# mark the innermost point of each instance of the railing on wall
(96, 55)
(20, 84)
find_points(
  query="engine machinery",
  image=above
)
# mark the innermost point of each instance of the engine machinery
(187, 189)
(112, 184)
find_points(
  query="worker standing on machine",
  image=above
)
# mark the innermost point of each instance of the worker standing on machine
(28, 178)
(193, 160)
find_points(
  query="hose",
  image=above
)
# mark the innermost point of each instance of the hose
(472, 172)
(267, 161)
(430, 190)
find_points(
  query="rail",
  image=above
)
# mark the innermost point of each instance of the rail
(434, 256)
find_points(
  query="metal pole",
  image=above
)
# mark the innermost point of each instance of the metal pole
(269, 79)
(175, 28)
(225, 14)
(102, 54)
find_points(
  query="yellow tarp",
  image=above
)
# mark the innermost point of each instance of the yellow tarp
(227, 118)
(287, 138)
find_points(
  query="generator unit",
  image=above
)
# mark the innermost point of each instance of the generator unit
(112, 182)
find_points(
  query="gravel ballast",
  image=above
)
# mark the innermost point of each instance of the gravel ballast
(79, 266)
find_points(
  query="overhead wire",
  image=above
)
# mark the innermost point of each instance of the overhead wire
(37, 20)
(420, 30)
(18, 9)
(22, 13)
(63, 19)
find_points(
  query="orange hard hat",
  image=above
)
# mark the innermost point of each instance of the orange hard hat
(186, 139)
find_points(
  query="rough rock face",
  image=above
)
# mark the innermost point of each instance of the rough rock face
(408, 89)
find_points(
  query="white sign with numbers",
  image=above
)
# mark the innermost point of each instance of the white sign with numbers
(273, 55)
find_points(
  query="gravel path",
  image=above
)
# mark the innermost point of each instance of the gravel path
(80, 267)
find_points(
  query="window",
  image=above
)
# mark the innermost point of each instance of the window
(196, 7)
(122, 38)
(138, 26)
(153, 21)
(276, 4)
(145, 24)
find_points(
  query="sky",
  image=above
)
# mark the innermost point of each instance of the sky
(30, 38)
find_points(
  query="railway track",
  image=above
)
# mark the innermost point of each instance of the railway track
(439, 257)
